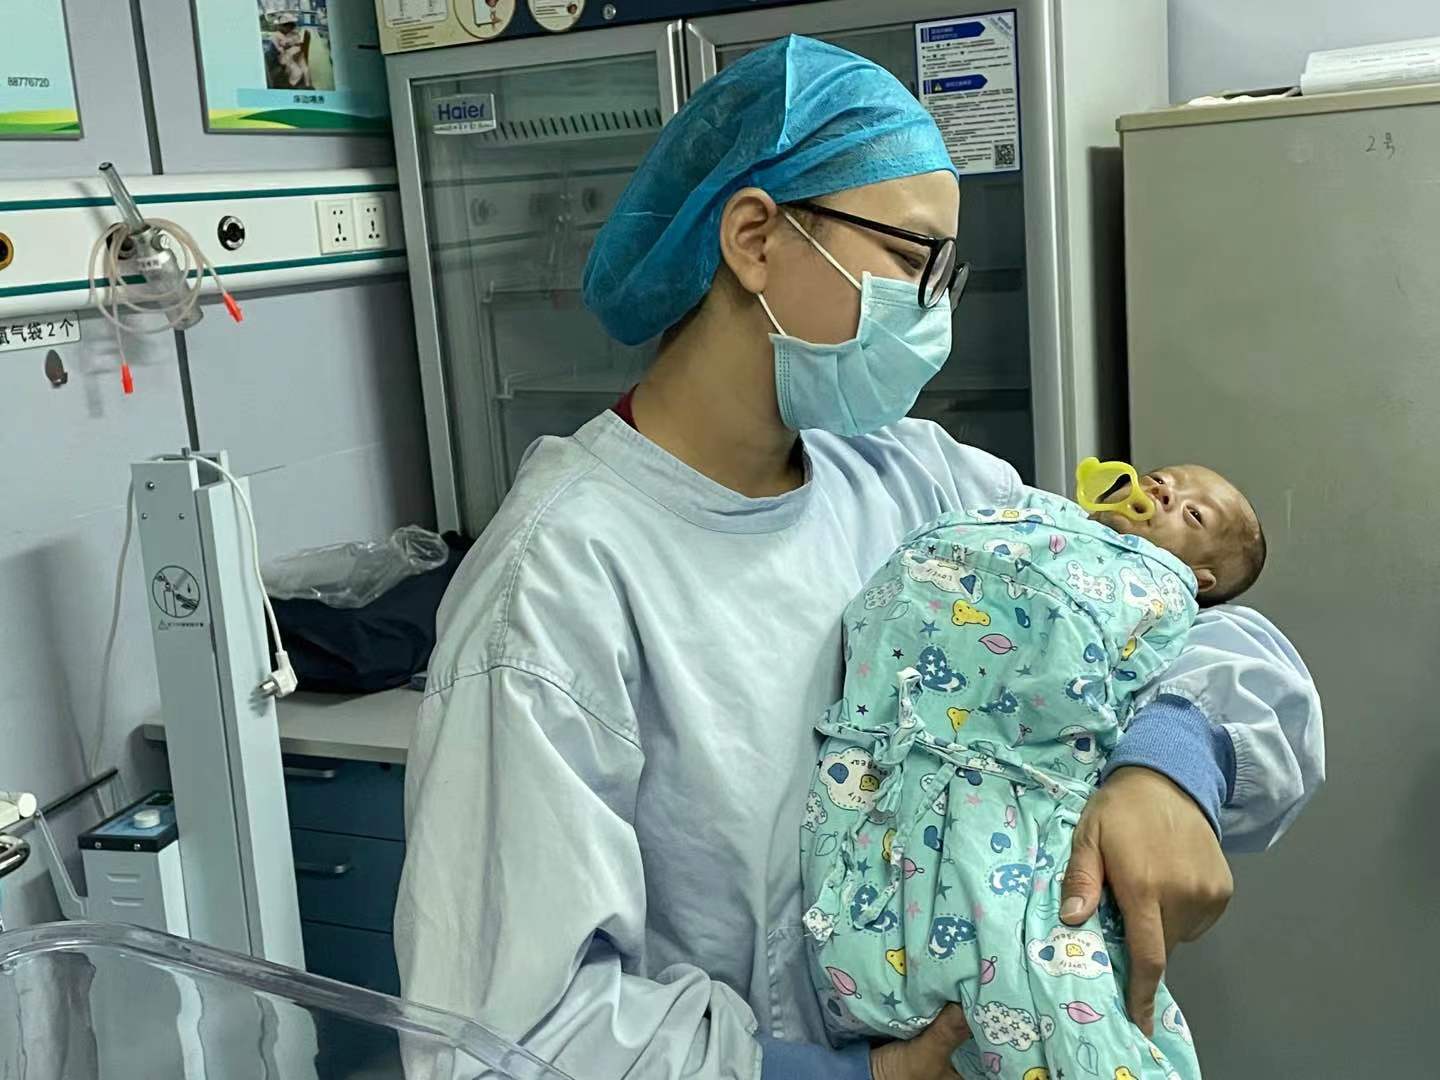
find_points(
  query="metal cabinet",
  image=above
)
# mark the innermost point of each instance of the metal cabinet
(347, 830)
(1285, 330)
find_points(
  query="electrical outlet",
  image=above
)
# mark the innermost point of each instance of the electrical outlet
(370, 230)
(337, 225)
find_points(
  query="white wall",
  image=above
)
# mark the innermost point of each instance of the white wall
(64, 473)
(1249, 44)
(316, 394)
(64, 457)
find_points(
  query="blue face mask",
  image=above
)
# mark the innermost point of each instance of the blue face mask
(861, 385)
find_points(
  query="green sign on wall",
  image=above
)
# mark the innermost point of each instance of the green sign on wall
(302, 66)
(37, 82)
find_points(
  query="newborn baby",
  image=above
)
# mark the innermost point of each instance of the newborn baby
(991, 667)
(1204, 521)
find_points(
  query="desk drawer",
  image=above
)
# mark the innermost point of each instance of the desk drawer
(358, 957)
(347, 880)
(358, 798)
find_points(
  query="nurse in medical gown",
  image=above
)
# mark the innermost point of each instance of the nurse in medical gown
(607, 784)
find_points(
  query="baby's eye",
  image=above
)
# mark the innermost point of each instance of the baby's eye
(1195, 514)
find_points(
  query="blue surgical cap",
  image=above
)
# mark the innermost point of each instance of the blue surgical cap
(798, 118)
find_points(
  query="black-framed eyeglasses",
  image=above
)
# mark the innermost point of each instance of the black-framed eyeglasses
(943, 273)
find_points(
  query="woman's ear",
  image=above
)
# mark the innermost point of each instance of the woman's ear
(1204, 579)
(749, 220)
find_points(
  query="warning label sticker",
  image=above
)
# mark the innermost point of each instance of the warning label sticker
(968, 75)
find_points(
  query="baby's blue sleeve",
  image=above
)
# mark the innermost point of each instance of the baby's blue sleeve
(1236, 722)
(1172, 736)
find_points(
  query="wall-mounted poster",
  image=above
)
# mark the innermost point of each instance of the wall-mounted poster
(300, 66)
(37, 82)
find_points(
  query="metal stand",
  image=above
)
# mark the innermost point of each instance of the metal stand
(211, 654)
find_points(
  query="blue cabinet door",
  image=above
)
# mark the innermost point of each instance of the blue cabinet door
(359, 957)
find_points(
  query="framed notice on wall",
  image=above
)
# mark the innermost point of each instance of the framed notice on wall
(37, 81)
(298, 66)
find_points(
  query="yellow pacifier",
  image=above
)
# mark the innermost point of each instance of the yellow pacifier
(1113, 486)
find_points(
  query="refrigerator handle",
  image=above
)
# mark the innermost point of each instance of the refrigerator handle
(700, 54)
(671, 57)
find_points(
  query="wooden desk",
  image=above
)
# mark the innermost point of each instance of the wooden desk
(363, 727)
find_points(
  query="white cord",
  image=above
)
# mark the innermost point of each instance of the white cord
(175, 308)
(282, 681)
(93, 760)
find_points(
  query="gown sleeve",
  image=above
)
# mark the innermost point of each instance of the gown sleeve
(523, 899)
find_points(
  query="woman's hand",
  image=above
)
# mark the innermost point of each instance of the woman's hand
(1153, 846)
(927, 1056)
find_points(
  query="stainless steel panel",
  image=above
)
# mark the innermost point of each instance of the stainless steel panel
(1284, 329)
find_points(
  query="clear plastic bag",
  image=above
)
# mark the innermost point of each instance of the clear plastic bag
(358, 573)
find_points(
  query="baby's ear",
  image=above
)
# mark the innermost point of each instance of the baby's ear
(1204, 579)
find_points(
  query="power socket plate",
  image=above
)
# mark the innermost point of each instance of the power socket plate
(371, 229)
(336, 218)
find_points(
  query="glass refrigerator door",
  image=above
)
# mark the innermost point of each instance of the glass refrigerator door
(512, 155)
(1002, 380)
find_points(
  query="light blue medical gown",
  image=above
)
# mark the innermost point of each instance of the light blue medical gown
(606, 784)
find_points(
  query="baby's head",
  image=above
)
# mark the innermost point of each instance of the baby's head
(1205, 522)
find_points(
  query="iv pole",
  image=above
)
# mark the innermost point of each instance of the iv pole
(213, 658)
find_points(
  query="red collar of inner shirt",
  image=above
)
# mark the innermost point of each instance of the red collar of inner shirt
(625, 408)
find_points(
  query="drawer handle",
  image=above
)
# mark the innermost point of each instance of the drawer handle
(296, 772)
(319, 869)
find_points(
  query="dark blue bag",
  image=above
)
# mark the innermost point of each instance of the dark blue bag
(377, 647)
